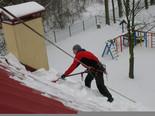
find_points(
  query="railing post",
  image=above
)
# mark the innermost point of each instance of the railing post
(121, 43)
(145, 38)
(141, 37)
(55, 39)
(96, 20)
(116, 43)
(151, 40)
(70, 34)
(83, 26)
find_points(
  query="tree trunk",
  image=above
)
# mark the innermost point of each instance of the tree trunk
(146, 4)
(120, 8)
(131, 60)
(130, 37)
(131, 51)
(113, 9)
(131, 47)
(107, 12)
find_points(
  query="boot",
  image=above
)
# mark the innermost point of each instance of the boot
(110, 99)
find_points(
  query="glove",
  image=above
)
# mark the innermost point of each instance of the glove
(62, 77)
(105, 72)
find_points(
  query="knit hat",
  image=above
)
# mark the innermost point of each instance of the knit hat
(77, 47)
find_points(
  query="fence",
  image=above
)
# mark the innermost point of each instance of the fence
(86, 24)
(68, 31)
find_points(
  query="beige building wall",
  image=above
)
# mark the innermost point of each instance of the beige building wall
(10, 40)
(28, 47)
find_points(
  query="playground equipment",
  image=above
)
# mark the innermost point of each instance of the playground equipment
(147, 37)
(116, 45)
(113, 47)
(110, 49)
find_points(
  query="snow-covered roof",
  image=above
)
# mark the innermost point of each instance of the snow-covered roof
(23, 9)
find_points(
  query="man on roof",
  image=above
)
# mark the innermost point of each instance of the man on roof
(94, 67)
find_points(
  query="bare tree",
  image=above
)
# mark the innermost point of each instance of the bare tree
(130, 13)
(132, 8)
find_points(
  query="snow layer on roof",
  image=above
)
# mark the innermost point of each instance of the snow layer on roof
(24, 9)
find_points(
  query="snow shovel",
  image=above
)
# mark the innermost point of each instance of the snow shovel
(71, 75)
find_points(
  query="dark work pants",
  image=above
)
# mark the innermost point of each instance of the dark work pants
(99, 83)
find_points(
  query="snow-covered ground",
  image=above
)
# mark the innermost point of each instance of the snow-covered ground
(72, 91)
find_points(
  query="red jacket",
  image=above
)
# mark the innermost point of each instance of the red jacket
(85, 57)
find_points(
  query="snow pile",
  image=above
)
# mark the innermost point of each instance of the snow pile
(12, 60)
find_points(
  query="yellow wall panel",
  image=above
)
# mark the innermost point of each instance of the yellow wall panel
(31, 48)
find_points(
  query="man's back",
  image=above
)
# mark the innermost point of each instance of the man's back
(87, 58)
